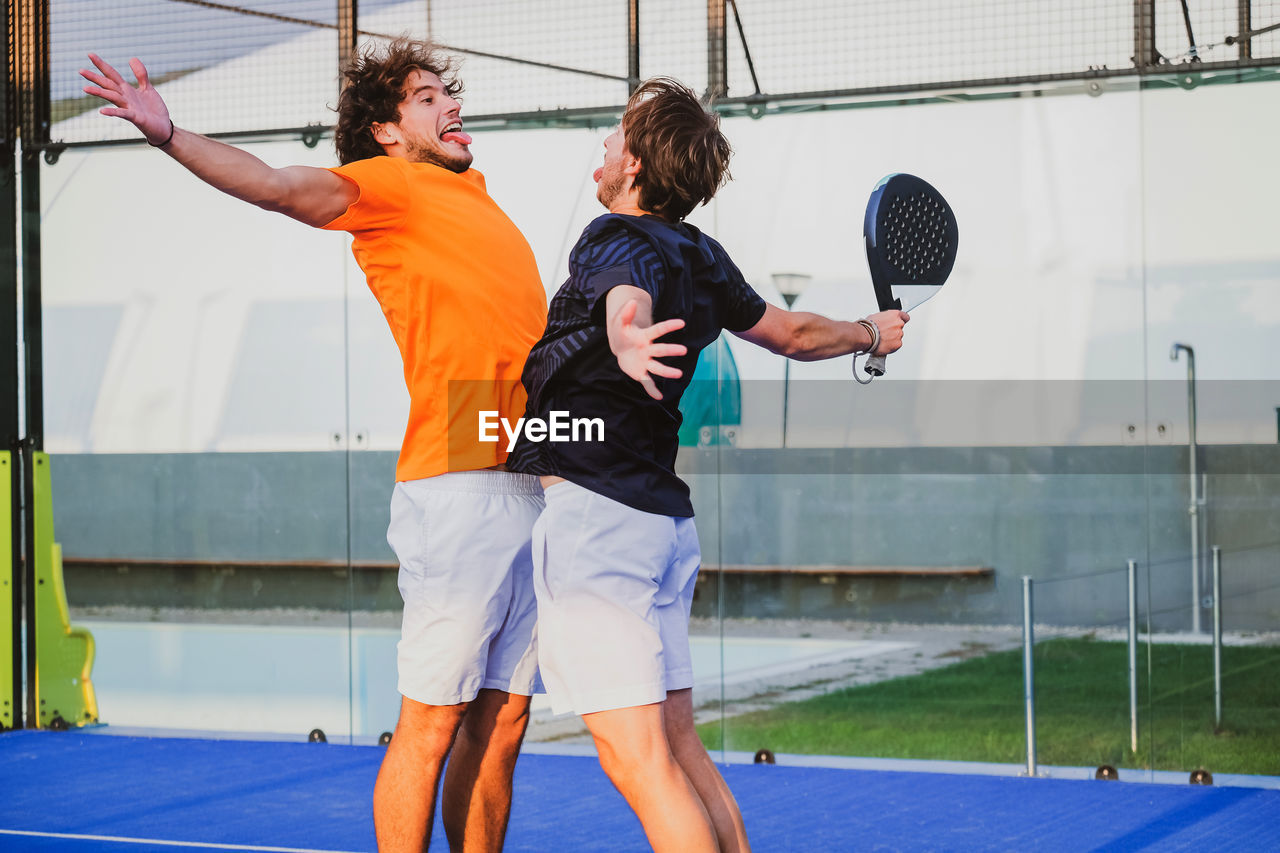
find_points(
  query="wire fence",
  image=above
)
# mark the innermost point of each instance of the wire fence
(246, 66)
(1094, 597)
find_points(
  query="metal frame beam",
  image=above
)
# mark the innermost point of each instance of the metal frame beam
(33, 87)
(10, 434)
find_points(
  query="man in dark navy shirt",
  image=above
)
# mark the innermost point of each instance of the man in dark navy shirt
(615, 551)
(686, 275)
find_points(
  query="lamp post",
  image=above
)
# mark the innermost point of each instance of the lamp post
(1194, 508)
(789, 284)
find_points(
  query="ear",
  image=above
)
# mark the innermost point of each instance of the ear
(385, 133)
(631, 166)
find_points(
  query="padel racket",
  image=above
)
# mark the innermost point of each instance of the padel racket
(911, 239)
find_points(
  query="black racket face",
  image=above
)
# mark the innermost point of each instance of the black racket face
(911, 239)
(914, 233)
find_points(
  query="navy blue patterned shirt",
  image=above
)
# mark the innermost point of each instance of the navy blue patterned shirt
(572, 370)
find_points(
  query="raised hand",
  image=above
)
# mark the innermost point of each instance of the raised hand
(140, 105)
(637, 350)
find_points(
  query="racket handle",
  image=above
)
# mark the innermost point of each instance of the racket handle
(875, 366)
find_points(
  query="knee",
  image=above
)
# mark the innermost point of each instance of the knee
(618, 766)
(680, 728)
(692, 756)
(511, 721)
(427, 728)
(497, 718)
(684, 740)
(628, 757)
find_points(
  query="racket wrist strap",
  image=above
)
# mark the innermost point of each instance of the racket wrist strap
(873, 331)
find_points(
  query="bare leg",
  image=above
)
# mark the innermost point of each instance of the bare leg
(703, 774)
(477, 782)
(634, 753)
(404, 797)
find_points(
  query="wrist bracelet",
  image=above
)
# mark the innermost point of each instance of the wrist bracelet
(873, 330)
(172, 130)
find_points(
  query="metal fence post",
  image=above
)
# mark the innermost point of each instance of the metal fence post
(633, 45)
(1193, 509)
(34, 109)
(1133, 655)
(1244, 23)
(717, 50)
(1217, 637)
(1145, 55)
(1028, 674)
(10, 366)
(348, 37)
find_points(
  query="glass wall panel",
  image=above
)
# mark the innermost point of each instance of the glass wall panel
(878, 551)
(1213, 360)
(378, 411)
(197, 429)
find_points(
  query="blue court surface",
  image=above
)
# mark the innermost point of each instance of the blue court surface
(83, 791)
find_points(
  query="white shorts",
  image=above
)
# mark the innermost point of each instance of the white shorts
(614, 588)
(463, 541)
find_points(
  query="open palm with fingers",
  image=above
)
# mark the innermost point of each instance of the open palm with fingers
(141, 105)
(638, 351)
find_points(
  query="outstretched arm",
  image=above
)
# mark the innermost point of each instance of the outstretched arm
(632, 336)
(310, 195)
(811, 337)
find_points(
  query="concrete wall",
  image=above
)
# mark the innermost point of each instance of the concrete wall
(203, 530)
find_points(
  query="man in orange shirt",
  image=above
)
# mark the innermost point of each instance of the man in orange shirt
(460, 290)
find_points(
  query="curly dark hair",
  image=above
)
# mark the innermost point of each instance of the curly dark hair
(374, 88)
(684, 158)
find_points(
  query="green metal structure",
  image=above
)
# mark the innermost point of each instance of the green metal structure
(63, 689)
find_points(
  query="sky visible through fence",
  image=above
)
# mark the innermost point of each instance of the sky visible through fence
(263, 65)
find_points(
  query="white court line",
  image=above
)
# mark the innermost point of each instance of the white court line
(168, 843)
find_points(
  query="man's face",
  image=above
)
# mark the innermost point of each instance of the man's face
(430, 125)
(610, 178)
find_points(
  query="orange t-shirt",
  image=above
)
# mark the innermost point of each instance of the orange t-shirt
(460, 289)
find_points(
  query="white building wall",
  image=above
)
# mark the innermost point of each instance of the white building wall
(1095, 231)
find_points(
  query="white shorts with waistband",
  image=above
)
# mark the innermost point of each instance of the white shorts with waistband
(466, 577)
(614, 587)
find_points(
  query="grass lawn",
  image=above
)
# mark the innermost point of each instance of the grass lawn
(973, 711)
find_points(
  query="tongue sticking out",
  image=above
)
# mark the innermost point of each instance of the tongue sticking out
(457, 136)
(597, 174)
